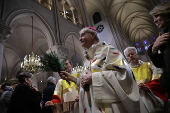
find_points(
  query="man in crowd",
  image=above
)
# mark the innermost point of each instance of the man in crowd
(147, 77)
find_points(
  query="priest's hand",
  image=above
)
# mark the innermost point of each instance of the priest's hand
(67, 76)
(48, 103)
(86, 79)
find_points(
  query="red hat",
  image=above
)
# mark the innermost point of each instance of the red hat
(92, 28)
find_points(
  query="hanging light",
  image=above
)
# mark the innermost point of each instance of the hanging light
(77, 68)
(31, 62)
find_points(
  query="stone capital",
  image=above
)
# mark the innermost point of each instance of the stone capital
(5, 32)
(61, 51)
(72, 8)
(63, 2)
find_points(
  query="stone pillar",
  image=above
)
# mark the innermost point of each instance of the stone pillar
(5, 32)
(63, 3)
(117, 33)
(72, 10)
(84, 16)
(56, 21)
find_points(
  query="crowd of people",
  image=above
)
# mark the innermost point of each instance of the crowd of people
(107, 85)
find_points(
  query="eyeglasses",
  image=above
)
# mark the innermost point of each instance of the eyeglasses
(131, 54)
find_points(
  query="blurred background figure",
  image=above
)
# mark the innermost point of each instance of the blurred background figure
(48, 93)
(2, 88)
(6, 95)
(1, 91)
(25, 98)
(147, 77)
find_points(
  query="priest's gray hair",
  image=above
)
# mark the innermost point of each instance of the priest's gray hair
(161, 9)
(87, 30)
(130, 48)
(50, 79)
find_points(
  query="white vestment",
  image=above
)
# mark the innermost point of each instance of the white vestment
(113, 89)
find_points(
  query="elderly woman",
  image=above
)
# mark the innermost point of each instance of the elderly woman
(25, 99)
(48, 93)
(159, 51)
(111, 89)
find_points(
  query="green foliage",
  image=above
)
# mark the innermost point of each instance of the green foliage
(51, 62)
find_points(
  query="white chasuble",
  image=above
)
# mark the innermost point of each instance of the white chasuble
(113, 89)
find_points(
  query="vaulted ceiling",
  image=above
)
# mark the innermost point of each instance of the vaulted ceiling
(131, 15)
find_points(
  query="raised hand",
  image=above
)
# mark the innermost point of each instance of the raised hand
(161, 40)
(67, 76)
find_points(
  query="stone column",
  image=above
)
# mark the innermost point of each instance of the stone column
(63, 3)
(84, 16)
(5, 32)
(72, 10)
(56, 21)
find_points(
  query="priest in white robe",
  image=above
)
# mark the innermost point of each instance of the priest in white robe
(106, 86)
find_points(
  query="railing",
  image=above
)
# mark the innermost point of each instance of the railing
(71, 19)
(48, 4)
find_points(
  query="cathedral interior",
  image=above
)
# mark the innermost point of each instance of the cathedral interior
(41, 26)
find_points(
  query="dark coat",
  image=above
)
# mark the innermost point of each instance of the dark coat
(47, 96)
(162, 60)
(48, 92)
(4, 101)
(25, 100)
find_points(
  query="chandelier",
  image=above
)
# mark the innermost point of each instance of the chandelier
(79, 69)
(31, 62)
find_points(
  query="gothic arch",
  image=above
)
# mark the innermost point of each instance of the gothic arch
(71, 33)
(24, 13)
(74, 47)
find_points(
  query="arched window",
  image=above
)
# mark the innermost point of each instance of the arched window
(96, 17)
